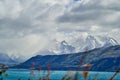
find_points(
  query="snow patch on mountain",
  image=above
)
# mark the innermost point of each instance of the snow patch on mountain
(5, 59)
(79, 44)
(66, 43)
(17, 57)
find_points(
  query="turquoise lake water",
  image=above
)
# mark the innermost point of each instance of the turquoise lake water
(55, 75)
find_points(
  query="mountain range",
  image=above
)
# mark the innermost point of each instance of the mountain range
(101, 59)
(65, 54)
(78, 44)
(5, 59)
(10, 59)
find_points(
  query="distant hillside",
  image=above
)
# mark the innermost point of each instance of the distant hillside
(5, 59)
(102, 59)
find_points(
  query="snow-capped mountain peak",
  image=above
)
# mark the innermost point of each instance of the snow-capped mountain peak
(64, 43)
(17, 57)
(79, 44)
(75, 42)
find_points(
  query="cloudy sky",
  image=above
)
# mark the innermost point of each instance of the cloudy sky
(29, 26)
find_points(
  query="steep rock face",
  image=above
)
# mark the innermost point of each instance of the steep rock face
(99, 58)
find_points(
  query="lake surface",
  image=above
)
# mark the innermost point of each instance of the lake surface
(55, 75)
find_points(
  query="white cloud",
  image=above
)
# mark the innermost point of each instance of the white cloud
(28, 26)
(25, 45)
(10, 9)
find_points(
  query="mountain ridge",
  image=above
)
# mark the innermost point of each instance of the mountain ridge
(71, 61)
(5, 59)
(77, 44)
